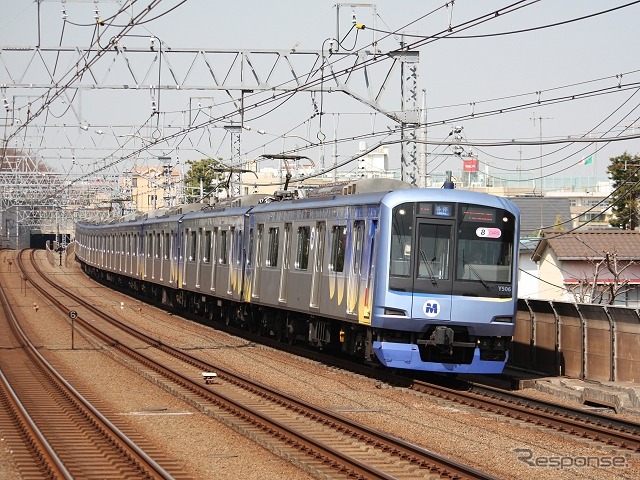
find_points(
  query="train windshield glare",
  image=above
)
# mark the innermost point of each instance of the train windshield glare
(443, 242)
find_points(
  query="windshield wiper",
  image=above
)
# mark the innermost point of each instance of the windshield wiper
(427, 264)
(477, 274)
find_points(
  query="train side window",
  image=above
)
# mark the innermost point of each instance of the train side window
(338, 246)
(302, 252)
(158, 245)
(149, 244)
(207, 247)
(167, 246)
(272, 253)
(223, 247)
(401, 228)
(192, 245)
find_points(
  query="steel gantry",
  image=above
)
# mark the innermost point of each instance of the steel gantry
(103, 146)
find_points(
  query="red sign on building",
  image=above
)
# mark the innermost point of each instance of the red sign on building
(470, 165)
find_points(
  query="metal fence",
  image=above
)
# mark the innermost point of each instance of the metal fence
(591, 342)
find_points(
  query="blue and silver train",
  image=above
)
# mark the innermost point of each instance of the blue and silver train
(419, 279)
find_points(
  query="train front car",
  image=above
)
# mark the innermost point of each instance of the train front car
(448, 301)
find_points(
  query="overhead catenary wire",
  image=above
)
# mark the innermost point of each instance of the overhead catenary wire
(274, 107)
(450, 120)
(78, 70)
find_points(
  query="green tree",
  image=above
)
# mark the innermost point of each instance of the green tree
(206, 173)
(625, 173)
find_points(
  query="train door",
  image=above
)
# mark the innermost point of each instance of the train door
(368, 272)
(227, 247)
(132, 254)
(198, 257)
(126, 252)
(101, 243)
(148, 246)
(249, 266)
(138, 249)
(353, 284)
(433, 278)
(257, 267)
(179, 254)
(152, 241)
(119, 251)
(165, 254)
(107, 251)
(172, 264)
(284, 268)
(185, 248)
(237, 262)
(214, 257)
(316, 275)
(158, 256)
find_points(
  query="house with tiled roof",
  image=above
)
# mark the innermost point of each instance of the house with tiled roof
(572, 261)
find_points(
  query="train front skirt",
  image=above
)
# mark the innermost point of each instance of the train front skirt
(407, 356)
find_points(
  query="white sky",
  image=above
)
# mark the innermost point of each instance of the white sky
(459, 76)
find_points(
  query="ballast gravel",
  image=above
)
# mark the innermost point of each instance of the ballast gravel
(207, 449)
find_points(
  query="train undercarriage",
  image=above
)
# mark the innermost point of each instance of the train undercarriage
(339, 337)
(437, 349)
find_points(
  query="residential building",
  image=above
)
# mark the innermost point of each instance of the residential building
(153, 187)
(569, 263)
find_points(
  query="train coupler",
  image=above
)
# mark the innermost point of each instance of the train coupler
(443, 337)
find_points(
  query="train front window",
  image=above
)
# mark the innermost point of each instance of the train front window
(434, 249)
(485, 244)
(401, 238)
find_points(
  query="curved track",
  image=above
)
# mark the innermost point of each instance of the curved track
(314, 438)
(63, 435)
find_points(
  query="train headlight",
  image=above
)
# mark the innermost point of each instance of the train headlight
(503, 319)
(395, 312)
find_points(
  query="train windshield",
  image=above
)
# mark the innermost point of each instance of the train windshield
(484, 244)
(451, 248)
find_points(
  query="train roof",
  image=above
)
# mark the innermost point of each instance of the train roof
(361, 192)
(451, 195)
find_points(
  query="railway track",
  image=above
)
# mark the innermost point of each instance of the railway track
(598, 428)
(316, 439)
(55, 432)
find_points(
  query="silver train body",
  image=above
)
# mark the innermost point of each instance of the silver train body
(421, 279)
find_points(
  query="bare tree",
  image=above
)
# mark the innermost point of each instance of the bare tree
(590, 290)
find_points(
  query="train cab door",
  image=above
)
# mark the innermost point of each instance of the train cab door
(433, 269)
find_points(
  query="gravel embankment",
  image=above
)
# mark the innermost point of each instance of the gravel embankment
(208, 449)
